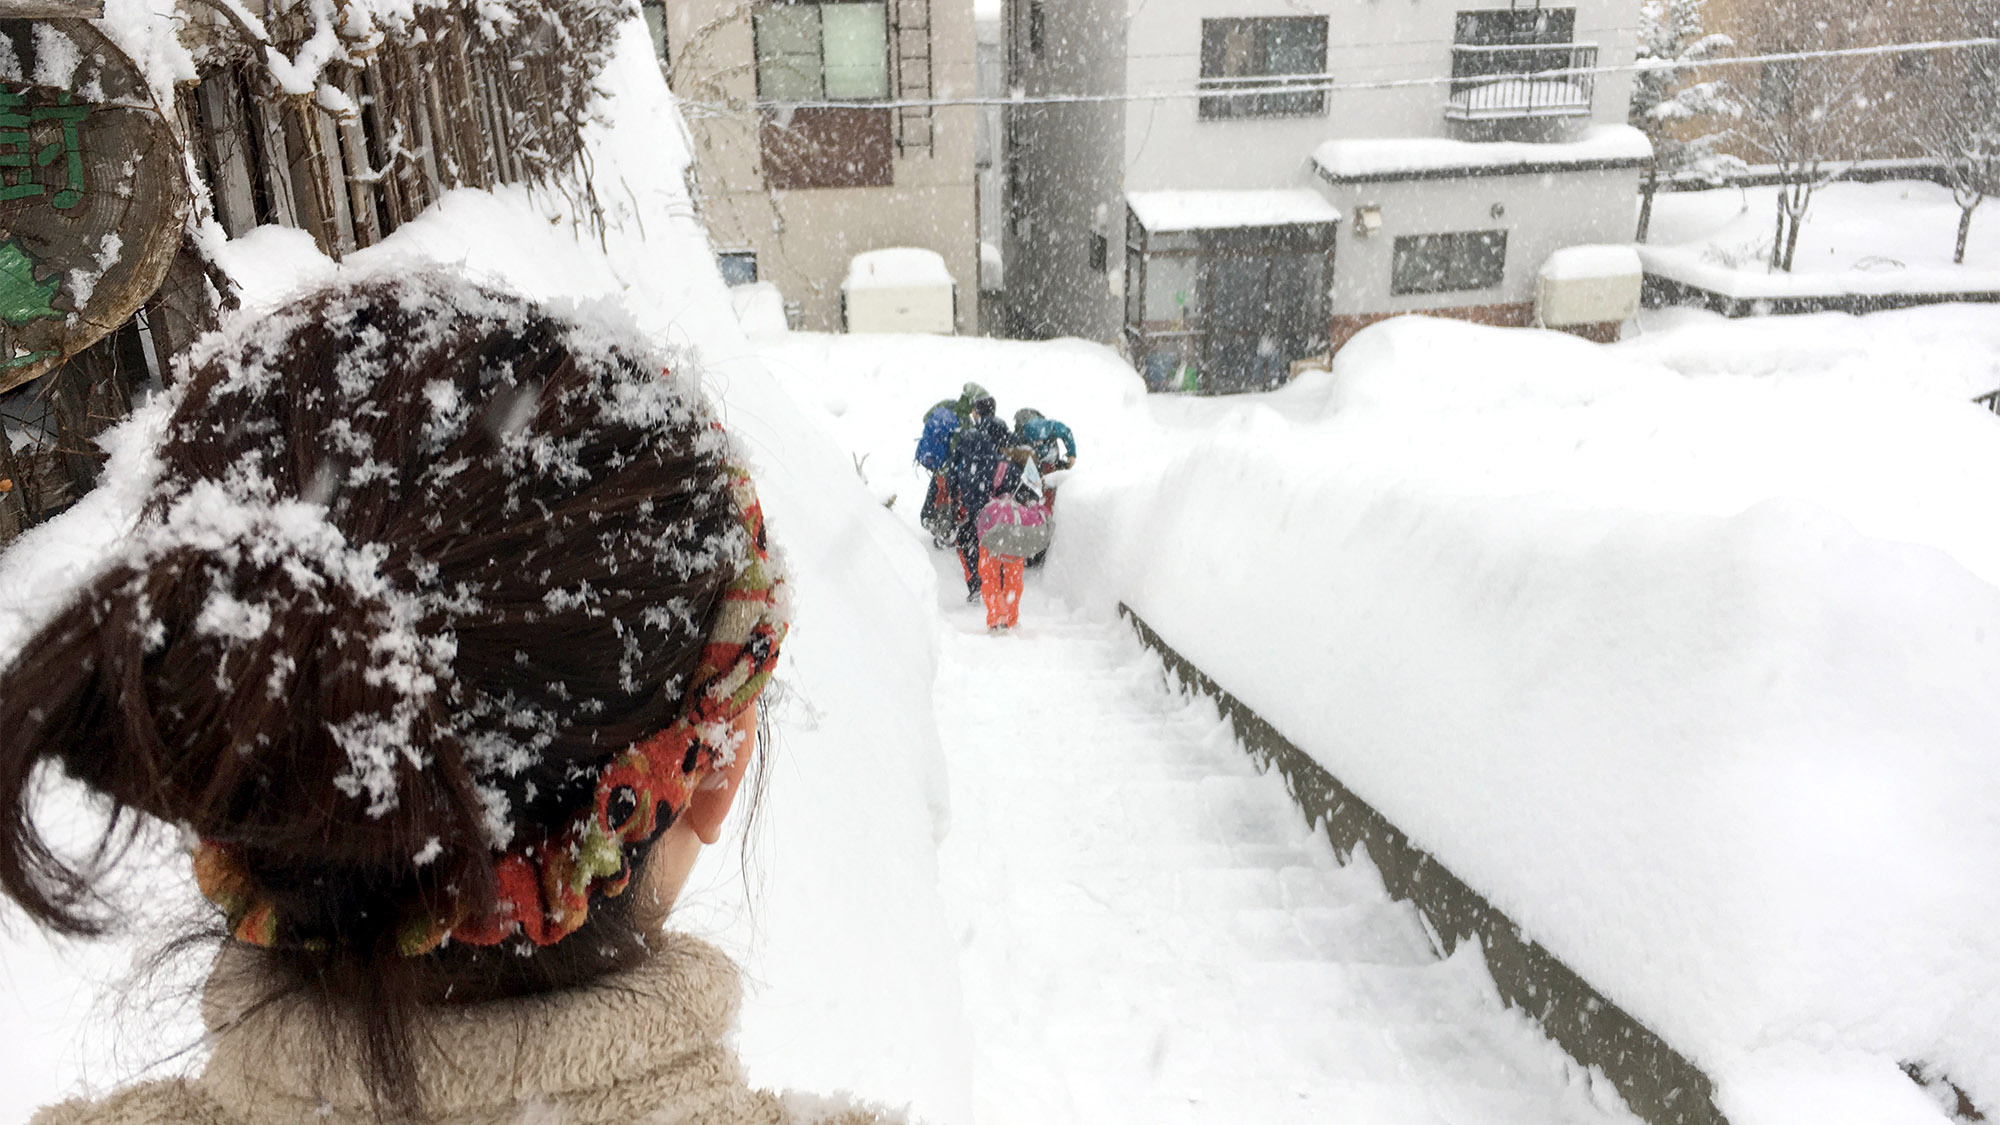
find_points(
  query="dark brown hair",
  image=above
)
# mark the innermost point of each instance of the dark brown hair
(417, 558)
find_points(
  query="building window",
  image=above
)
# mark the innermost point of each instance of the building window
(1520, 62)
(831, 52)
(1262, 53)
(655, 12)
(810, 52)
(1504, 41)
(1516, 27)
(1448, 263)
(739, 267)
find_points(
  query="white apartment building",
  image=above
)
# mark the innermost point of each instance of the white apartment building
(1228, 218)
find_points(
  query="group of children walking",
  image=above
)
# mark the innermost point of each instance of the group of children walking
(989, 495)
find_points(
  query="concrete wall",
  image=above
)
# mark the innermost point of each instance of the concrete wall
(804, 239)
(1541, 214)
(1070, 182)
(988, 164)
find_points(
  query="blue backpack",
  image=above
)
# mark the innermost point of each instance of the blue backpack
(935, 446)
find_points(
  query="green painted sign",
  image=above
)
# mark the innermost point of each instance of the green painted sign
(32, 137)
(93, 193)
(23, 299)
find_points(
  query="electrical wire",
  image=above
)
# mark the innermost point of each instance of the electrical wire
(1324, 83)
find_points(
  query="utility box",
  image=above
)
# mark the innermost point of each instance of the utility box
(1582, 285)
(902, 289)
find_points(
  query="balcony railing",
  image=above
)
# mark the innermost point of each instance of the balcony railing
(1539, 80)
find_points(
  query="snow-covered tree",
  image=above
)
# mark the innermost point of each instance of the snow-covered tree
(1959, 126)
(1672, 110)
(1798, 114)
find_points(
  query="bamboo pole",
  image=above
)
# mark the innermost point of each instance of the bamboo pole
(381, 132)
(465, 104)
(363, 178)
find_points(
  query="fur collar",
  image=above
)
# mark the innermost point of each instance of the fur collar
(647, 1044)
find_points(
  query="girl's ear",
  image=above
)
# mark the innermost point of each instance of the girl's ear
(715, 794)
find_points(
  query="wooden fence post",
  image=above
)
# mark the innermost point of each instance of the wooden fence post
(362, 179)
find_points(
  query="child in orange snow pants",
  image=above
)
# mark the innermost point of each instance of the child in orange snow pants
(1000, 585)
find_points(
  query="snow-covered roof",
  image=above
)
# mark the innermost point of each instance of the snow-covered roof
(1575, 263)
(899, 267)
(1209, 210)
(1396, 158)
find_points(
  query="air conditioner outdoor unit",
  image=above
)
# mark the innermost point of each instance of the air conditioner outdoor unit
(1588, 285)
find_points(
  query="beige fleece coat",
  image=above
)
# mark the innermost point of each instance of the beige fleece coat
(645, 1047)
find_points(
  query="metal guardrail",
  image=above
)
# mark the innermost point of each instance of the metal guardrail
(1494, 83)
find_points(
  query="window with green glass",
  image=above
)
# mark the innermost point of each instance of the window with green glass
(1172, 290)
(835, 51)
(655, 12)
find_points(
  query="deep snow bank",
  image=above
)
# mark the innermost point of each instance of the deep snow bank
(853, 979)
(1693, 677)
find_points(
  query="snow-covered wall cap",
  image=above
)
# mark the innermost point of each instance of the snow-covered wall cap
(1419, 158)
(1215, 210)
(899, 267)
(1577, 263)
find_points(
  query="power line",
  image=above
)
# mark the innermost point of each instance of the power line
(1324, 83)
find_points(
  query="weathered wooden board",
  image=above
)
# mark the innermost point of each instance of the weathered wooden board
(93, 193)
(51, 9)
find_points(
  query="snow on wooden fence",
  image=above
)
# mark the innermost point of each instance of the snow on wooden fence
(450, 100)
(341, 118)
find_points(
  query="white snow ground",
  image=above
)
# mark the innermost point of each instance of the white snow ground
(1679, 650)
(1896, 236)
(1150, 932)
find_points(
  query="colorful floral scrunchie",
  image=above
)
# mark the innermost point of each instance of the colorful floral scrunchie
(544, 887)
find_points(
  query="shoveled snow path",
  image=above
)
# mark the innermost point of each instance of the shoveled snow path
(1152, 934)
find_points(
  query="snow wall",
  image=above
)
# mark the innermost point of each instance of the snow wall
(853, 981)
(1693, 678)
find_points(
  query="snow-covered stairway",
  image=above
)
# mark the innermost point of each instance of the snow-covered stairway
(1151, 934)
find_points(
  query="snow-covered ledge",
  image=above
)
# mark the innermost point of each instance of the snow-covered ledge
(1600, 147)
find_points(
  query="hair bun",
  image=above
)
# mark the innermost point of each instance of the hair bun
(282, 609)
(418, 559)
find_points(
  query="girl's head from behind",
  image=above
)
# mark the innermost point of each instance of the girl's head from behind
(439, 607)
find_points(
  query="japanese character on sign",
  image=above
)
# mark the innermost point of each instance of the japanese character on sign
(20, 158)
